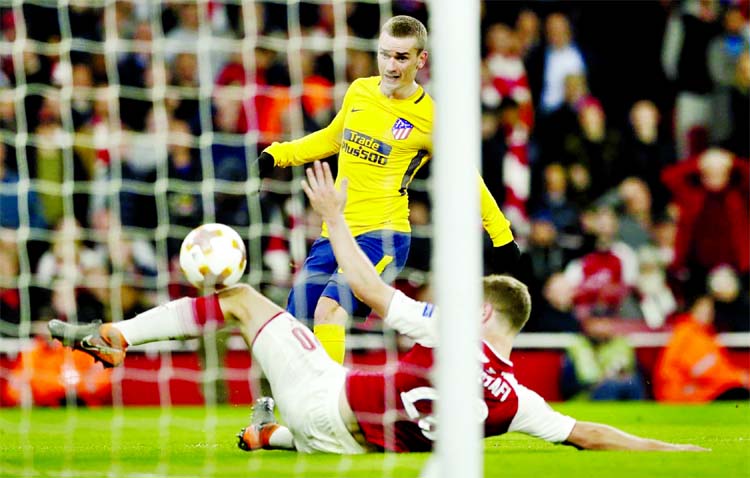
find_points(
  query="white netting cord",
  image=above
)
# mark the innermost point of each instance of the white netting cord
(20, 143)
(244, 94)
(114, 234)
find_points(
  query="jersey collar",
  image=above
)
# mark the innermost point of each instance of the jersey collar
(496, 354)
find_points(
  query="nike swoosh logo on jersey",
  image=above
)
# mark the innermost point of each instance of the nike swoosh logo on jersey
(356, 110)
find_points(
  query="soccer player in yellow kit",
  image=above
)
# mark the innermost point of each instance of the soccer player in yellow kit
(383, 135)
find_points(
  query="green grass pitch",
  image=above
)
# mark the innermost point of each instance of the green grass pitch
(199, 442)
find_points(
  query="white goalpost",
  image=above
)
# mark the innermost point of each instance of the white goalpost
(454, 31)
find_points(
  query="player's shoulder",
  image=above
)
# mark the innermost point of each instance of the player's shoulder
(423, 108)
(419, 354)
(426, 97)
(367, 83)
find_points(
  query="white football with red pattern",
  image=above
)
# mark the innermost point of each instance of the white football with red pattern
(213, 256)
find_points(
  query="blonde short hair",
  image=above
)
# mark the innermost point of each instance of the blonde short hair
(404, 26)
(510, 298)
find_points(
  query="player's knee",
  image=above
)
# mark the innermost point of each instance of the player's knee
(233, 299)
(328, 311)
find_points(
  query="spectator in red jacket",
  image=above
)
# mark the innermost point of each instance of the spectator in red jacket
(712, 192)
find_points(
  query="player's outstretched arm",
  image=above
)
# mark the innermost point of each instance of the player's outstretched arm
(596, 436)
(360, 273)
(505, 251)
(318, 145)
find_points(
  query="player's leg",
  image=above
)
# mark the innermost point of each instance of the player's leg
(252, 310)
(330, 321)
(388, 252)
(179, 319)
(305, 383)
(311, 280)
(107, 343)
(264, 432)
(305, 300)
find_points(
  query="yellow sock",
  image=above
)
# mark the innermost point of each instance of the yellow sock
(333, 339)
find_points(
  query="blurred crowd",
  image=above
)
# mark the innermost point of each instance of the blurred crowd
(614, 136)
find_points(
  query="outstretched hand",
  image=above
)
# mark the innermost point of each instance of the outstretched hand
(321, 190)
(691, 448)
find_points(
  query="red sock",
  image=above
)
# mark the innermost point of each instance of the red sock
(206, 310)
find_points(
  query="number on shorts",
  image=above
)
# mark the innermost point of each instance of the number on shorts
(304, 339)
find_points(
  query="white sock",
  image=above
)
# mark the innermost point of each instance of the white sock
(173, 320)
(281, 438)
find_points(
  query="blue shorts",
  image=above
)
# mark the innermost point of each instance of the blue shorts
(321, 275)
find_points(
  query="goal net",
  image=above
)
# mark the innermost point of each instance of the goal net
(124, 124)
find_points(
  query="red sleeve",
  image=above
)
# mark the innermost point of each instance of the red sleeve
(741, 167)
(675, 177)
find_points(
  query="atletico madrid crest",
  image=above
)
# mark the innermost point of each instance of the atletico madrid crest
(401, 129)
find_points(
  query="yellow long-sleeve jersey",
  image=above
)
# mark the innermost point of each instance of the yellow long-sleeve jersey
(381, 144)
